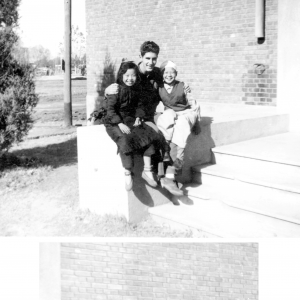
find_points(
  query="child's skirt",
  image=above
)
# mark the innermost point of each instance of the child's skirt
(140, 138)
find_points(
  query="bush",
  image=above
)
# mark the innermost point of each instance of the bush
(17, 87)
(16, 106)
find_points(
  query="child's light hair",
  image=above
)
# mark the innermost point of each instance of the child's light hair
(168, 64)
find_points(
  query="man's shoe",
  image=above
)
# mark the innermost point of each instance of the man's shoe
(170, 185)
(150, 181)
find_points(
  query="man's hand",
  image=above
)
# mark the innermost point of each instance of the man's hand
(137, 122)
(187, 88)
(124, 128)
(112, 89)
(192, 102)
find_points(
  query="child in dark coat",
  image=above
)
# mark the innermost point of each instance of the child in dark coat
(124, 124)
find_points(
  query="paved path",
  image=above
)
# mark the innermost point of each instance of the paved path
(57, 106)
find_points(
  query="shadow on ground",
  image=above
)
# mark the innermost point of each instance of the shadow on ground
(54, 155)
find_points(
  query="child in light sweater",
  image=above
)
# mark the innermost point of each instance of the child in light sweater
(181, 111)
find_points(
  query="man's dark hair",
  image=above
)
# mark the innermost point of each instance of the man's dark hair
(123, 69)
(149, 46)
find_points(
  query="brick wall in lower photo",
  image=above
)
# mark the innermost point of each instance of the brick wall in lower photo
(131, 271)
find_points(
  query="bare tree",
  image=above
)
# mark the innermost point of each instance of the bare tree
(78, 47)
(39, 55)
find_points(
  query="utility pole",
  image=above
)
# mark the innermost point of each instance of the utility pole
(67, 79)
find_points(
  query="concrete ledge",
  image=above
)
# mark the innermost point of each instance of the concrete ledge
(101, 179)
(100, 172)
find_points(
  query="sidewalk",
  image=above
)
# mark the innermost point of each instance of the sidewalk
(40, 130)
(61, 77)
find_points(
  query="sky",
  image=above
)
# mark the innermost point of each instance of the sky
(42, 22)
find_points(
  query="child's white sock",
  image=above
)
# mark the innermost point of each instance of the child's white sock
(180, 153)
(170, 172)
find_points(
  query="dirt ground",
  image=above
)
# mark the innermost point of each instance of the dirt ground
(41, 198)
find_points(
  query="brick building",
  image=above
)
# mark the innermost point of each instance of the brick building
(131, 271)
(212, 42)
(218, 53)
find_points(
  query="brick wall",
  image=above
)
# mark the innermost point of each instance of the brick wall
(136, 271)
(212, 42)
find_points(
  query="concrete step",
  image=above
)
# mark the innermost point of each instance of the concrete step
(251, 194)
(258, 206)
(218, 219)
(276, 156)
(262, 175)
(267, 177)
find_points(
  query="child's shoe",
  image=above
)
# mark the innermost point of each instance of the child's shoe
(167, 157)
(167, 150)
(170, 185)
(149, 180)
(128, 181)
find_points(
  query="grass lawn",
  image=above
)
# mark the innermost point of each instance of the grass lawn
(39, 190)
(50, 107)
(56, 87)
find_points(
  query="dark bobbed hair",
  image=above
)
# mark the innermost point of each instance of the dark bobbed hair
(123, 69)
(149, 46)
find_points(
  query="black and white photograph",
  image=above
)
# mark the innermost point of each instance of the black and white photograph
(162, 134)
(150, 118)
